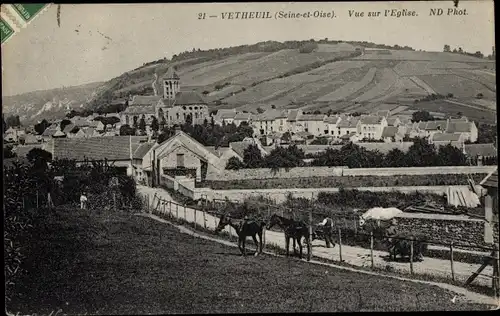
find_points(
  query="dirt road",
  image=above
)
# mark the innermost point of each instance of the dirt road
(355, 256)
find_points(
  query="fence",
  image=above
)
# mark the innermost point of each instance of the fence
(206, 216)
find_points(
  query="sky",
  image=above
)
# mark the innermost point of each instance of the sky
(97, 42)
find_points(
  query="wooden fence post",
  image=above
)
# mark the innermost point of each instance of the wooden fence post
(411, 255)
(24, 208)
(309, 248)
(176, 210)
(204, 219)
(451, 261)
(355, 225)
(185, 212)
(114, 201)
(194, 218)
(371, 249)
(340, 244)
(170, 208)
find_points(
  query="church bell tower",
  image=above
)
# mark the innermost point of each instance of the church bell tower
(171, 84)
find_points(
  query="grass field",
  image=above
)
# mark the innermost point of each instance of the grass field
(334, 182)
(123, 264)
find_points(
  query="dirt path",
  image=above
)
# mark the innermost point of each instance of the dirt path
(355, 256)
(461, 292)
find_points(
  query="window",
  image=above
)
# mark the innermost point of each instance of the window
(180, 160)
(364, 128)
(196, 115)
(333, 132)
(177, 115)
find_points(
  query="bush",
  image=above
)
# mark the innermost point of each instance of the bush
(234, 164)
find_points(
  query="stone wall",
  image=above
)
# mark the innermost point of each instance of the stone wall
(307, 172)
(280, 195)
(462, 230)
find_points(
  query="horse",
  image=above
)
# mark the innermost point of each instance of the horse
(403, 247)
(243, 229)
(293, 229)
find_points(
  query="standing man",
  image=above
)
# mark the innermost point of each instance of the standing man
(83, 201)
(327, 224)
(391, 232)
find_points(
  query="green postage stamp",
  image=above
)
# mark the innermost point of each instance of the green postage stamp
(16, 16)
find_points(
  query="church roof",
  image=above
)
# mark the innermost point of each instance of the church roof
(170, 74)
(145, 100)
(140, 109)
(188, 98)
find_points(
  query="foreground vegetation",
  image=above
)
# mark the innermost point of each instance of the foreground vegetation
(420, 154)
(339, 181)
(108, 263)
(26, 202)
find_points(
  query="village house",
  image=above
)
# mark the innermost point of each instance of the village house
(394, 121)
(13, 134)
(442, 139)
(272, 120)
(480, 153)
(242, 117)
(311, 123)
(292, 120)
(348, 126)
(174, 105)
(371, 127)
(392, 134)
(468, 129)
(225, 116)
(433, 127)
(181, 155)
(50, 131)
(116, 150)
(331, 123)
(29, 139)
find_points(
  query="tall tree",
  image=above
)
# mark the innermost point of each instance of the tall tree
(421, 116)
(41, 127)
(252, 156)
(135, 125)
(142, 123)
(154, 125)
(446, 48)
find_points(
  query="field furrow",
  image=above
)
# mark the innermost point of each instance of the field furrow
(348, 89)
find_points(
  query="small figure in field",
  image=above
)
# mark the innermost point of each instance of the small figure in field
(327, 224)
(83, 201)
(391, 232)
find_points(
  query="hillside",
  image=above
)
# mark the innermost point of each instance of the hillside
(322, 75)
(49, 104)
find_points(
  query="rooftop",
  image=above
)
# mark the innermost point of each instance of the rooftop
(389, 131)
(371, 119)
(94, 148)
(484, 150)
(446, 137)
(187, 98)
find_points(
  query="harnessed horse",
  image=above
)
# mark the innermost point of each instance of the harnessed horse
(292, 229)
(243, 229)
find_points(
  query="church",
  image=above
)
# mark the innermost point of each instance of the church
(173, 105)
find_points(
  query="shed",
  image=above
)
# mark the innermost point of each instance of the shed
(490, 182)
